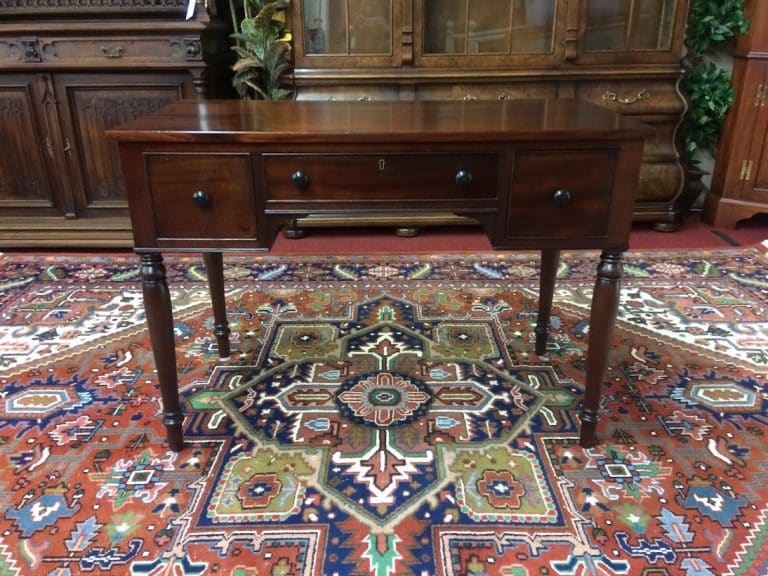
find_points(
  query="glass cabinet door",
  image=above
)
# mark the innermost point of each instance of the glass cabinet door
(489, 27)
(355, 32)
(629, 25)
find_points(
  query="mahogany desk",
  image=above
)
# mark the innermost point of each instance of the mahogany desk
(219, 176)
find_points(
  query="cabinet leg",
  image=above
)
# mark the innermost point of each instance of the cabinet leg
(292, 230)
(407, 231)
(550, 259)
(605, 302)
(725, 213)
(214, 268)
(157, 305)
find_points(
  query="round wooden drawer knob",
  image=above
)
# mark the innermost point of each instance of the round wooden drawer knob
(299, 179)
(561, 197)
(464, 178)
(201, 199)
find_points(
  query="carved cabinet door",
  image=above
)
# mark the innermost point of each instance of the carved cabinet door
(90, 104)
(28, 132)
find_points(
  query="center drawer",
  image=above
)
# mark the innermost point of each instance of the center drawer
(382, 177)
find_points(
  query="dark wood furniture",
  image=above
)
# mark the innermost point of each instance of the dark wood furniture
(69, 69)
(227, 175)
(624, 56)
(740, 180)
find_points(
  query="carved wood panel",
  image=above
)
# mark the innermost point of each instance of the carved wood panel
(24, 178)
(94, 103)
(70, 8)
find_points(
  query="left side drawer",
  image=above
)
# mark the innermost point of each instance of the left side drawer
(201, 196)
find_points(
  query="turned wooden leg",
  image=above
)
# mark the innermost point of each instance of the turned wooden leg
(157, 305)
(214, 268)
(605, 303)
(550, 259)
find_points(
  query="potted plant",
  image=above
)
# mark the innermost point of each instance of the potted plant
(263, 49)
(706, 84)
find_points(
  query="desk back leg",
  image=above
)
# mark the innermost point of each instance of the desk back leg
(605, 303)
(550, 260)
(214, 268)
(157, 305)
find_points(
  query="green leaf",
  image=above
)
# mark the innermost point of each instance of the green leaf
(263, 59)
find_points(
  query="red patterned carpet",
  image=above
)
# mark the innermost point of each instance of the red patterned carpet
(385, 416)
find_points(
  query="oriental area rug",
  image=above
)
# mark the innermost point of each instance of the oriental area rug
(385, 416)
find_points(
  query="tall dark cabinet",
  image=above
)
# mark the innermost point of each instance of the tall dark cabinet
(740, 180)
(68, 71)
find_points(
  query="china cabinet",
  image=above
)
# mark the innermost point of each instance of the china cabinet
(622, 54)
(740, 179)
(69, 70)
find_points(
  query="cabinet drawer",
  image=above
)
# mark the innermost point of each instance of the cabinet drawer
(114, 51)
(561, 194)
(202, 195)
(633, 96)
(380, 178)
(486, 91)
(349, 93)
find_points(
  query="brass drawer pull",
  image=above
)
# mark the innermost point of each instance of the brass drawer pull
(299, 179)
(463, 178)
(561, 197)
(627, 100)
(201, 200)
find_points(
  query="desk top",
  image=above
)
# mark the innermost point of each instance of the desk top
(238, 121)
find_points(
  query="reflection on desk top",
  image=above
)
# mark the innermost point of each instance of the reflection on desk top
(397, 121)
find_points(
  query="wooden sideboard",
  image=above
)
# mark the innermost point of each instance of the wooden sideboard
(740, 180)
(215, 176)
(69, 69)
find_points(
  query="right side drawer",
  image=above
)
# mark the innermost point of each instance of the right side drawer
(561, 194)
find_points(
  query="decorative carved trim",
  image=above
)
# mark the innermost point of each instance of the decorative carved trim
(193, 49)
(407, 34)
(571, 39)
(114, 110)
(30, 50)
(49, 51)
(11, 108)
(91, 4)
(10, 51)
(47, 94)
(27, 50)
(112, 51)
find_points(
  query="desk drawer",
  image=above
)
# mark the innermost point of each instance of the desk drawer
(379, 178)
(561, 194)
(202, 195)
